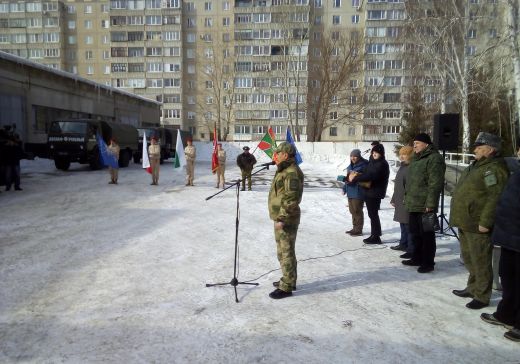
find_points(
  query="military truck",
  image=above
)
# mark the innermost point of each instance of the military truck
(74, 140)
(167, 139)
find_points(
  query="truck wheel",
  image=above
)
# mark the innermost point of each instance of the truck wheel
(124, 158)
(62, 164)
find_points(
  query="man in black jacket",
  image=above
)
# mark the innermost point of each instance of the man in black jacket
(506, 234)
(246, 161)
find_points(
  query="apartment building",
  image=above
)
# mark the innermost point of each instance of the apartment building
(237, 65)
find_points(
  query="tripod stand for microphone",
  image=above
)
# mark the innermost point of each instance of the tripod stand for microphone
(234, 281)
(442, 217)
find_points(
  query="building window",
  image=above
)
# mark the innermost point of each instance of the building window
(207, 6)
(333, 131)
(355, 19)
(336, 3)
(88, 9)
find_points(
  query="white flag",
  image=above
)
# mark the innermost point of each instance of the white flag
(180, 159)
(146, 160)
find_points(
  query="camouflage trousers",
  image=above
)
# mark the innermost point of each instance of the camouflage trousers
(477, 252)
(285, 242)
(246, 174)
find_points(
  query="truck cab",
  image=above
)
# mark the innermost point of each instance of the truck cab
(74, 140)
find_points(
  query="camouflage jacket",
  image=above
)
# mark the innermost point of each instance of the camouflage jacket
(476, 195)
(425, 180)
(190, 153)
(286, 193)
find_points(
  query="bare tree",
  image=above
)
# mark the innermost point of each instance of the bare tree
(442, 32)
(219, 100)
(332, 99)
(512, 36)
(292, 69)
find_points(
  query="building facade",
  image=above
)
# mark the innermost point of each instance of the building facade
(239, 66)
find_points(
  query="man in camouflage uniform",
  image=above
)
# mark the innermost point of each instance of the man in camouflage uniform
(221, 168)
(284, 200)
(190, 153)
(473, 207)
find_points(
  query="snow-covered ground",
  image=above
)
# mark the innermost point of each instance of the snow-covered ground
(92, 272)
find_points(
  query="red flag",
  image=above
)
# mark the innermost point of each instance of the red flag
(214, 157)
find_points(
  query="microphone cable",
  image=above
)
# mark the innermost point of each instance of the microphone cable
(321, 257)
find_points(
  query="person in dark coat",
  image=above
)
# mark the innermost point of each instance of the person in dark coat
(377, 173)
(424, 185)
(355, 193)
(13, 154)
(506, 234)
(246, 162)
(401, 214)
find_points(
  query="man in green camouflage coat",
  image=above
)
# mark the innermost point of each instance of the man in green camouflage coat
(284, 200)
(424, 185)
(473, 207)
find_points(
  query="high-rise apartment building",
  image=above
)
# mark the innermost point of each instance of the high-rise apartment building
(238, 65)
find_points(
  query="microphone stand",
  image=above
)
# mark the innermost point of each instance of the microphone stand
(234, 281)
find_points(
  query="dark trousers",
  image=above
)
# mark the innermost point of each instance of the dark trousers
(12, 175)
(373, 205)
(424, 242)
(508, 309)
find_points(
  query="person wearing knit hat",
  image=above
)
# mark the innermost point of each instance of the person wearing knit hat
(355, 193)
(424, 184)
(401, 215)
(376, 172)
(423, 137)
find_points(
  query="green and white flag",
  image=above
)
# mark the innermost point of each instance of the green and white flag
(180, 159)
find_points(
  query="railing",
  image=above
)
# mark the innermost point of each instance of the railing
(459, 158)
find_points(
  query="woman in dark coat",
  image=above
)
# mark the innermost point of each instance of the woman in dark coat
(506, 234)
(377, 173)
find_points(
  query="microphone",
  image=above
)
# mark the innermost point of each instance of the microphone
(267, 164)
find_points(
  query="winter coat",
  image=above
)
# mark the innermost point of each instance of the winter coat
(154, 152)
(246, 161)
(377, 172)
(190, 153)
(286, 193)
(353, 189)
(425, 180)
(401, 214)
(475, 197)
(506, 232)
(13, 153)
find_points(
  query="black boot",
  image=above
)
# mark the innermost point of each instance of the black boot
(278, 293)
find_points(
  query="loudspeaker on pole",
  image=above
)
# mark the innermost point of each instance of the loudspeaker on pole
(446, 131)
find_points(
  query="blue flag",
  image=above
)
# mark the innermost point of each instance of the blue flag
(107, 157)
(289, 139)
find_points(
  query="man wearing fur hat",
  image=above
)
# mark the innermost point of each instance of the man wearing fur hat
(284, 209)
(473, 206)
(423, 188)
